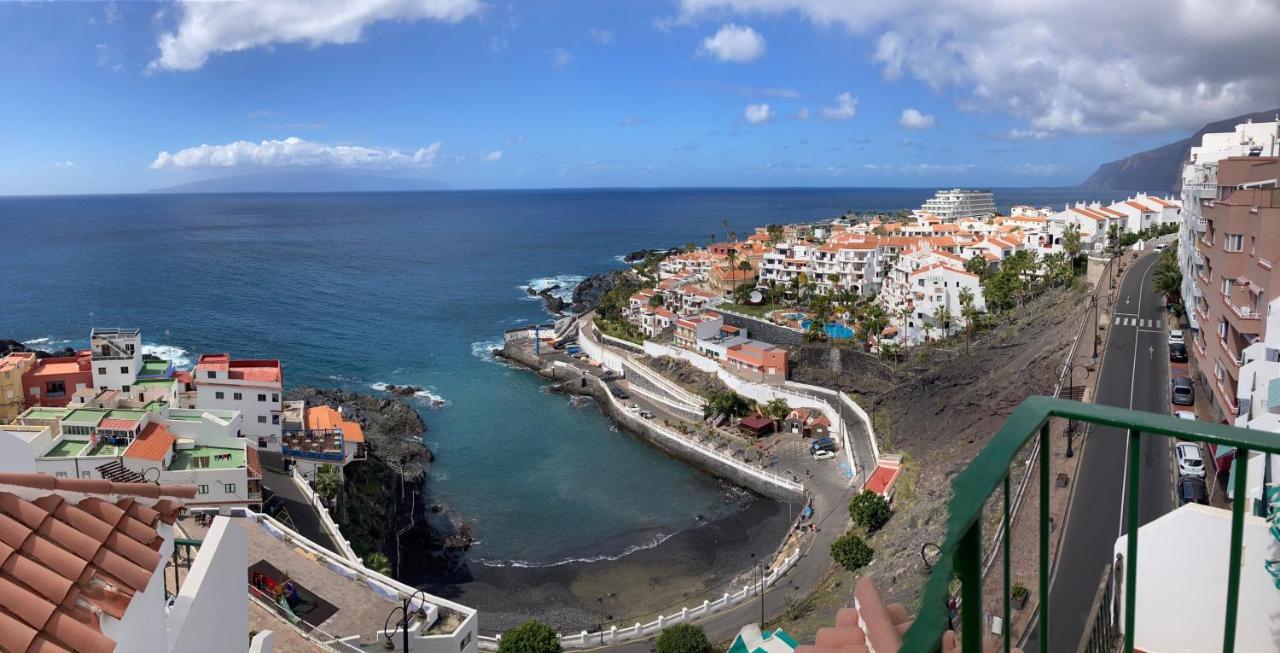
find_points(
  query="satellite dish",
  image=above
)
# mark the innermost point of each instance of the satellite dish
(756, 297)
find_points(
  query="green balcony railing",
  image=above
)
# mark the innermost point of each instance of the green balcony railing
(961, 551)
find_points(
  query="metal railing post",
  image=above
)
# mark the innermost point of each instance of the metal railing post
(969, 569)
(1237, 544)
(1044, 539)
(1008, 642)
(1131, 555)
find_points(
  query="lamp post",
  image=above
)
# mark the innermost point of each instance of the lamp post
(405, 602)
(760, 566)
(1071, 423)
(1093, 304)
(600, 601)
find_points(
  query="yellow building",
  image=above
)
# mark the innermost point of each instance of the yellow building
(12, 367)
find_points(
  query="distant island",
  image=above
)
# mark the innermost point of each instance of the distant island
(305, 181)
(1160, 168)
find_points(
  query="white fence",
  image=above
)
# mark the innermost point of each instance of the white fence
(326, 521)
(616, 635)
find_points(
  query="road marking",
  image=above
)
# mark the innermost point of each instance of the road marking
(1133, 373)
(1149, 331)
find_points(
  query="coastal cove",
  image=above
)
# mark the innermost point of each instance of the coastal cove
(414, 289)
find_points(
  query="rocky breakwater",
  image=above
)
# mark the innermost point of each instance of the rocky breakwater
(383, 506)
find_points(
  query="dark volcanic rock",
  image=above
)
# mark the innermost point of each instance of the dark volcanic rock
(403, 390)
(12, 346)
(385, 494)
(588, 293)
(640, 254)
(1160, 169)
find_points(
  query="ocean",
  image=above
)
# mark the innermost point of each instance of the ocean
(361, 290)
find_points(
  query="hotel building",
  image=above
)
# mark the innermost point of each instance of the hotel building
(951, 205)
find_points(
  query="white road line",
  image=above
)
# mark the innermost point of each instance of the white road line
(1133, 373)
(1149, 331)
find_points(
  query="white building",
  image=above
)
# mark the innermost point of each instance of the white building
(923, 282)
(117, 358)
(958, 203)
(786, 263)
(254, 388)
(109, 587)
(1200, 182)
(1182, 582)
(847, 263)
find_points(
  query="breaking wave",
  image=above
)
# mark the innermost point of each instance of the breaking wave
(432, 399)
(656, 541)
(180, 357)
(566, 283)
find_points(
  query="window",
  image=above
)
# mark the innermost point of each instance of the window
(60, 474)
(102, 370)
(84, 474)
(55, 388)
(262, 397)
(237, 396)
(219, 395)
(229, 488)
(1233, 243)
(1226, 286)
(213, 374)
(262, 419)
(275, 397)
(275, 419)
(124, 370)
(202, 489)
(124, 388)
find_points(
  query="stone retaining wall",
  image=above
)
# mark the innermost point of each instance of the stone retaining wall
(763, 330)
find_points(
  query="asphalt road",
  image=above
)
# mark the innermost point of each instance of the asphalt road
(1134, 374)
(303, 514)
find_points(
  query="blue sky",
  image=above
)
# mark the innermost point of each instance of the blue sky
(128, 96)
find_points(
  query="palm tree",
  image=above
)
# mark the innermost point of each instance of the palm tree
(1167, 277)
(725, 223)
(942, 316)
(970, 314)
(329, 483)
(377, 561)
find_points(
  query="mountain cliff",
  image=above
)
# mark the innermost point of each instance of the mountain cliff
(1160, 169)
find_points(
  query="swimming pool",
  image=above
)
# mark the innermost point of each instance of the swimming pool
(839, 331)
(793, 316)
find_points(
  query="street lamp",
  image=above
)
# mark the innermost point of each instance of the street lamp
(1071, 423)
(405, 602)
(760, 566)
(1093, 304)
(600, 601)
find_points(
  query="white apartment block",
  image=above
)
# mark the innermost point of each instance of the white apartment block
(117, 358)
(958, 203)
(847, 264)
(1200, 182)
(254, 388)
(922, 282)
(784, 265)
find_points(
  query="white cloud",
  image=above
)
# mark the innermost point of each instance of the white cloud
(64, 164)
(601, 35)
(846, 107)
(1039, 169)
(780, 92)
(109, 57)
(208, 28)
(758, 113)
(1027, 135)
(734, 43)
(913, 119)
(801, 114)
(495, 155)
(1065, 67)
(919, 168)
(633, 121)
(294, 151)
(111, 13)
(560, 58)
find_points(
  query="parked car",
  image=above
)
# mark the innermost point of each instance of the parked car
(635, 408)
(822, 444)
(619, 393)
(645, 414)
(1185, 414)
(823, 454)
(1176, 337)
(1161, 247)
(1178, 353)
(1181, 391)
(1189, 461)
(1192, 490)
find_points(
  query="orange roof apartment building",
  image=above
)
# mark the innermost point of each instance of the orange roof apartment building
(1236, 277)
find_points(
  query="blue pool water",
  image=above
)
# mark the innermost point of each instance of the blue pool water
(359, 290)
(833, 330)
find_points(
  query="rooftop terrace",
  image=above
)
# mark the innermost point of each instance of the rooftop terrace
(154, 368)
(67, 449)
(208, 458)
(85, 416)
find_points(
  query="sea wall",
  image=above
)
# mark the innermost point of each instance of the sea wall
(738, 472)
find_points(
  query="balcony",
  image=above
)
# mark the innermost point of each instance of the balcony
(980, 486)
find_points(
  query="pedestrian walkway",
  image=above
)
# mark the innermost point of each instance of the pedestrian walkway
(1133, 321)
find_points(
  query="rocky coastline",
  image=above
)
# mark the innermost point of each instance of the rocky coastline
(384, 498)
(13, 346)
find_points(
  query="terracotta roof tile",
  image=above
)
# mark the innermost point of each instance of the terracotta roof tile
(154, 443)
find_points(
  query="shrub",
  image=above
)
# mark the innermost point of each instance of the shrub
(869, 510)
(851, 552)
(531, 636)
(683, 638)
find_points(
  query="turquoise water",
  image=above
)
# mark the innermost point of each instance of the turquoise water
(833, 330)
(360, 290)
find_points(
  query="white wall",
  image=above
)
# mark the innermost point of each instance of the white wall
(1182, 583)
(142, 627)
(216, 480)
(248, 404)
(211, 611)
(16, 454)
(208, 431)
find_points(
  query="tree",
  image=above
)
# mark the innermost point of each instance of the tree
(683, 638)
(850, 552)
(775, 233)
(728, 403)
(879, 230)
(657, 300)
(329, 482)
(870, 511)
(744, 265)
(976, 265)
(969, 312)
(377, 561)
(1167, 276)
(1071, 241)
(776, 409)
(942, 317)
(531, 636)
(1114, 234)
(725, 223)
